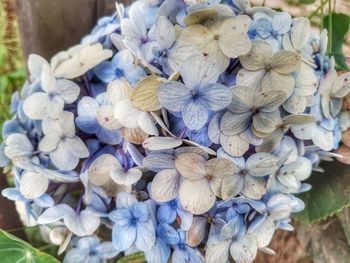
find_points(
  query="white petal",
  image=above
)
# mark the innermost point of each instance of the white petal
(48, 80)
(87, 106)
(165, 185)
(53, 214)
(33, 185)
(165, 32)
(146, 123)
(285, 62)
(233, 37)
(77, 147)
(99, 170)
(196, 196)
(63, 159)
(161, 143)
(264, 232)
(126, 178)
(234, 144)
(68, 90)
(300, 32)
(197, 231)
(244, 249)
(191, 165)
(35, 65)
(217, 252)
(83, 224)
(220, 167)
(259, 54)
(231, 186)
(48, 143)
(35, 105)
(261, 164)
(199, 70)
(118, 90)
(105, 117)
(254, 187)
(126, 114)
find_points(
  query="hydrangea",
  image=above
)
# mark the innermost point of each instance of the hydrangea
(181, 128)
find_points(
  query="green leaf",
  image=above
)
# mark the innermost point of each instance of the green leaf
(325, 242)
(307, 2)
(133, 258)
(337, 25)
(330, 193)
(13, 249)
(344, 218)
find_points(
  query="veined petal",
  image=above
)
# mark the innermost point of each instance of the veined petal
(261, 164)
(254, 187)
(123, 237)
(173, 95)
(234, 144)
(191, 165)
(231, 186)
(33, 185)
(194, 115)
(233, 124)
(165, 185)
(233, 37)
(199, 70)
(259, 54)
(196, 196)
(35, 105)
(83, 224)
(67, 90)
(145, 236)
(126, 114)
(244, 249)
(215, 96)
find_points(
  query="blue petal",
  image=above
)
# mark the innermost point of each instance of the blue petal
(146, 236)
(13, 194)
(180, 256)
(264, 28)
(215, 96)
(87, 124)
(200, 136)
(75, 255)
(173, 95)
(44, 201)
(88, 243)
(140, 211)
(281, 22)
(106, 250)
(166, 214)
(195, 115)
(4, 160)
(11, 126)
(120, 217)
(106, 71)
(168, 234)
(112, 137)
(159, 253)
(123, 237)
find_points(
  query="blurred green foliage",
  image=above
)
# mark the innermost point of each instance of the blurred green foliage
(12, 70)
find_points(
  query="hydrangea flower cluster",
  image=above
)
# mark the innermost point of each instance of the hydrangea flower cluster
(182, 129)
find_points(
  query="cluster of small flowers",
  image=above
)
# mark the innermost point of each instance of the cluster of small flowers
(183, 127)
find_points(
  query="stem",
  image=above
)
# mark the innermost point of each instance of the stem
(135, 258)
(77, 209)
(330, 28)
